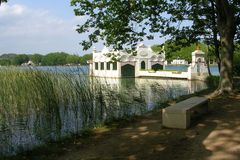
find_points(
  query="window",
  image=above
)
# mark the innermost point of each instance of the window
(96, 65)
(102, 65)
(143, 65)
(108, 65)
(114, 65)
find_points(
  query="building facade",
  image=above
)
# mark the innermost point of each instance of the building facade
(143, 62)
(122, 64)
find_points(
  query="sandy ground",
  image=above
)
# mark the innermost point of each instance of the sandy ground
(216, 136)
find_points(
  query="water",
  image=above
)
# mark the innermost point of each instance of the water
(103, 99)
(84, 69)
(61, 69)
(183, 68)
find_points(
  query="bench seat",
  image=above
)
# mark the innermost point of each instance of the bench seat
(180, 114)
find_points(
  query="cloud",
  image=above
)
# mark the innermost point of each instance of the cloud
(27, 30)
(6, 10)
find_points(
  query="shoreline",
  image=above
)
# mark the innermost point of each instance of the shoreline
(53, 149)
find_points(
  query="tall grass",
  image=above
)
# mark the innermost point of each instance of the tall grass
(38, 106)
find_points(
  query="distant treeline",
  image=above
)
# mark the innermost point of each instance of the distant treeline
(51, 59)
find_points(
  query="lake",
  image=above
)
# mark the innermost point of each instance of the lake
(79, 102)
(183, 68)
(84, 69)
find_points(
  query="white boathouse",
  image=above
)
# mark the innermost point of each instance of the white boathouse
(143, 63)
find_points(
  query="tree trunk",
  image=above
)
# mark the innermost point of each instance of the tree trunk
(216, 48)
(207, 61)
(215, 34)
(227, 30)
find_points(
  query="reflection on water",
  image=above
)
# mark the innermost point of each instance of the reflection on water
(154, 90)
(106, 99)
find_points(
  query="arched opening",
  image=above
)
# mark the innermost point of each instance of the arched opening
(143, 65)
(157, 67)
(128, 71)
(199, 60)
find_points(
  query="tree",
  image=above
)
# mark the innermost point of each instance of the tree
(127, 22)
(56, 58)
(85, 58)
(1, 1)
(156, 48)
(8, 56)
(174, 50)
(73, 59)
(20, 59)
(5, 62)
(226, 23)
(36, 58)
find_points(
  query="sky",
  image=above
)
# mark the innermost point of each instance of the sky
(42, 26)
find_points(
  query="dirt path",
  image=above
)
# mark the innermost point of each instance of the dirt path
(214, 137)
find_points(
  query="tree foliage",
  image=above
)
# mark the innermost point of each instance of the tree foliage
(36, 58)
(126, 22)
(121, 22)
(175, 51)
(85, 58)
(1, 1)
(73, 59)
(53, 59)
(5, 62)
(20, 59)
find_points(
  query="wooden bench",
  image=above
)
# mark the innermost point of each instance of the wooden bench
(181, 114)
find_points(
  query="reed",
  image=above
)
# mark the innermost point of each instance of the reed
(40, 106)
